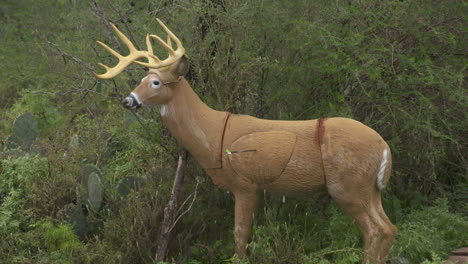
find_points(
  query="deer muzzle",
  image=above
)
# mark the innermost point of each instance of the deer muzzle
(131, 102)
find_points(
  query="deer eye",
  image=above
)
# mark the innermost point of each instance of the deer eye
(155, 83)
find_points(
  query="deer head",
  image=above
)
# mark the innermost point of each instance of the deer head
(155, 88)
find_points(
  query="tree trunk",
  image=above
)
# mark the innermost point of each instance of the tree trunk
(170, 212)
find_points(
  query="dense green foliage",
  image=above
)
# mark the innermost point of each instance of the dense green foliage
(84, 181)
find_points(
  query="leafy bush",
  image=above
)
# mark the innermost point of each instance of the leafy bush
(22, 238)
(431, 231)
(329, 237)
(60, 240)
(16, 178)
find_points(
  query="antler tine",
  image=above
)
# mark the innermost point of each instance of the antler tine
(124, 39)
(151, 57)
(172, 36)
(124, 61)
(134, 55)
(104, 66)
(169, 42)
(110, 50)
(165, 45)
(174, 55)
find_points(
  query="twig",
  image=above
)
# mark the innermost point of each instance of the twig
(189, 208)
(393, 60)
(124, 21)
(67, 55)
(73, 91)
(105, 22)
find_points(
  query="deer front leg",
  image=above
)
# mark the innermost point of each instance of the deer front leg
(246, 203)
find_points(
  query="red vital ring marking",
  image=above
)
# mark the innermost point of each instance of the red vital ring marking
(320, 131)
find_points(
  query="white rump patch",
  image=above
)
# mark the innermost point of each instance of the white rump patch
(381, 174)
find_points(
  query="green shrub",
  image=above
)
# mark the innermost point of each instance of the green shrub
(60, 239)
(129, 231)
(325, 235)
(22, 238)
(16, 177)
(430, 231)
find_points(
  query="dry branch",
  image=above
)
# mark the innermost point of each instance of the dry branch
(67, 55)
(170, 212)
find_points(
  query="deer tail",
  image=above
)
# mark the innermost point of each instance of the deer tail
(383, 174)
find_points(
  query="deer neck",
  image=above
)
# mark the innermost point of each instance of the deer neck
(195, 125)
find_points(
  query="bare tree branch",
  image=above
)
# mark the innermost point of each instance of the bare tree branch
(171, 210)
(67, 55)
(105, 22)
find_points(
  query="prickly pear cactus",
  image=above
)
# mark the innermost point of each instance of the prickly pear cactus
(87, 170)
(94, 192)
(92, 189)
(25, 130)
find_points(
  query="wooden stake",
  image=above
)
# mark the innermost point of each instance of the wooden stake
(170, 212)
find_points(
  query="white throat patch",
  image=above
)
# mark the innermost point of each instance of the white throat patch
(163, 110)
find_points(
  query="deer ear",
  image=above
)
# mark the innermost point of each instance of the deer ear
(182, 67)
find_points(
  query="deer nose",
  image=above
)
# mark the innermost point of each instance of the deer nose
(131, 102)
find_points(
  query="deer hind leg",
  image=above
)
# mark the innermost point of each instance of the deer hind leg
(364, 205)
(246, 203)
(390, 231)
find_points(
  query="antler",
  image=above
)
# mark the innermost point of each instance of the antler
(153, 61)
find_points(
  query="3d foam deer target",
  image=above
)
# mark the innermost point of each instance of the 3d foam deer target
(245, 155)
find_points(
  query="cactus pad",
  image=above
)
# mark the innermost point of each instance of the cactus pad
(25, 130)
(94, 192)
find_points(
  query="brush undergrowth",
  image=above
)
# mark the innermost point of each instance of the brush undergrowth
(397, 66)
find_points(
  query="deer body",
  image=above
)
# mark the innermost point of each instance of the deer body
(340, 154)
(207, 133)
(246, 155)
